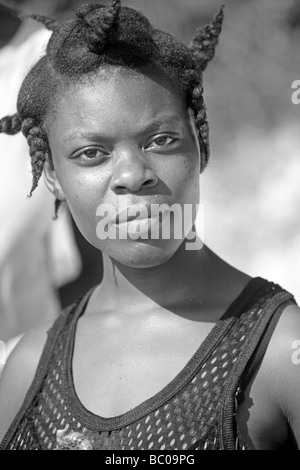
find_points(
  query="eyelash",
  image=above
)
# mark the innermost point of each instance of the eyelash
(173, 139)
(84, 152)
(89, 150)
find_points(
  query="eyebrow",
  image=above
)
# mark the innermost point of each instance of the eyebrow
(155, 125)
(152, 127)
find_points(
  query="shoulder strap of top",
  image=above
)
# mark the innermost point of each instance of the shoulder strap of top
(251, 355)
(41, 371)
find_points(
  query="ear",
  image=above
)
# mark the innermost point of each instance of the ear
(51, 180)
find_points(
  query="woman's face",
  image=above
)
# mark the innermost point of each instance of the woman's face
(122, 141)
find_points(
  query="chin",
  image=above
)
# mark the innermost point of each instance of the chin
(141, 254)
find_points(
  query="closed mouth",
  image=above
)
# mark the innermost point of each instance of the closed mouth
(125, 217)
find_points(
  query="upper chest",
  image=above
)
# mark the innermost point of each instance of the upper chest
(115, 370)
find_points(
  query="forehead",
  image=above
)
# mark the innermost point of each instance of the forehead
(117, 96)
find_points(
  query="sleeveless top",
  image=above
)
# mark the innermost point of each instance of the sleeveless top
(195, 411)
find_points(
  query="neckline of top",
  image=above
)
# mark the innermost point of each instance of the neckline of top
(97, 422)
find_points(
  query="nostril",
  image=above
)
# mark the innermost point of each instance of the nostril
(148, 183)
(120, 188)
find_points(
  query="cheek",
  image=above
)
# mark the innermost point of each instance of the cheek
(83, 196)
(185, 180)
(81, 186)
(84, 191)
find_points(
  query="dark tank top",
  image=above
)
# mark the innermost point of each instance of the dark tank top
(195, 411)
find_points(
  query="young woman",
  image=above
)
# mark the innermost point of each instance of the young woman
(175, 349)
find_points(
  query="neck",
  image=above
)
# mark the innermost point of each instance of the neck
(183, 277)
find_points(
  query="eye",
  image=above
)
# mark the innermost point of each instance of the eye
(90, 154)
(162, 141)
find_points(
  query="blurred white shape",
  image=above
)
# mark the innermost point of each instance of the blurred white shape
(2, 353)
(36, 253)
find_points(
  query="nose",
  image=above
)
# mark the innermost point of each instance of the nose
(133, 173)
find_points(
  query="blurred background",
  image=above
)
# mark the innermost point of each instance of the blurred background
(251, 188)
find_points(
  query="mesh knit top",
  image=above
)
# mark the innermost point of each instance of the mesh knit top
(195, 411)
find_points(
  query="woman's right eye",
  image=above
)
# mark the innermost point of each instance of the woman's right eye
(90, 154)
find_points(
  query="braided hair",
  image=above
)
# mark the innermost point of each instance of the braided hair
(97, 37)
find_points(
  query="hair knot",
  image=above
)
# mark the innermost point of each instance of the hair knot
(10, 125)
(101, 24)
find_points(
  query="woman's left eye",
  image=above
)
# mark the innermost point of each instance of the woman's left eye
(162, 141)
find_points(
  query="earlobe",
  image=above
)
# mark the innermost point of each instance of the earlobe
(51, 180)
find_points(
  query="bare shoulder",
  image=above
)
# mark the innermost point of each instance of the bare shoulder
(269, 417)
(283, 352)
(281, 367)
(18, 374)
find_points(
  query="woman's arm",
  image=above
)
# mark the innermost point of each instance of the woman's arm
(269, 417)
(284, 354)
(18, 374)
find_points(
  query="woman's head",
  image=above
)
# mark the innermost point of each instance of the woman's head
(114, 52)
(132, 142)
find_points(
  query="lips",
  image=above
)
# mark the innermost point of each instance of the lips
(140, 211)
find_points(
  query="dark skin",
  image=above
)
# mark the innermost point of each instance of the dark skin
(157, 301)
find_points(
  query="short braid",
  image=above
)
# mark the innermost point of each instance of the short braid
(196, 103)
(38, 149)
(204, 44)
(10, 125)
